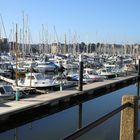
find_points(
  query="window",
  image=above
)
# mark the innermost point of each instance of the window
(8, 88)
(31, 77)
(2, 90)
(40, 77)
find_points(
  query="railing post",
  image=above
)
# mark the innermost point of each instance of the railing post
(129, 119)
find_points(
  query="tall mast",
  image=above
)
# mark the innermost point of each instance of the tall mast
(46, 41)
(74, 45)
(16, 49)
(3, 26)
(39, 44)
(20, 43)
(13, 44)
(78, 47)
(58, 45)
(69, 46)
(65, 46)
(23, 47)
(0, 31)
(26, 33)
(42, 39)
(29, 45)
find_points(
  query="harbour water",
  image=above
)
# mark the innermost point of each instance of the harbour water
(61, 124)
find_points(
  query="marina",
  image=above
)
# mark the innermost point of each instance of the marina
(67, 121)
(59, 98)
(69, 70)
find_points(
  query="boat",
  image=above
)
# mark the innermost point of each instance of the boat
(6, 92)
(44, 67)
(75, 77)
(36, 80)
(129, 68)
(91, 73)
(106, 73)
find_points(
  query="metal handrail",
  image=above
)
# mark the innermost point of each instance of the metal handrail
(99, 121)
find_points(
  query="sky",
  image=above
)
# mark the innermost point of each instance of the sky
(104, 21)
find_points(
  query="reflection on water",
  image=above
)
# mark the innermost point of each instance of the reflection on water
(80, 116)
(16, 134)
(61, 124)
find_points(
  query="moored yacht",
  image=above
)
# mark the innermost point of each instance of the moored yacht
(107, 73)
(36, 80)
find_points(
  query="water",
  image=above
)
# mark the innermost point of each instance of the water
(59, 125)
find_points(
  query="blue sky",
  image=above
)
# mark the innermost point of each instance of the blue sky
(107, 21)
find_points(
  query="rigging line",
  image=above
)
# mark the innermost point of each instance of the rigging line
(3, 26)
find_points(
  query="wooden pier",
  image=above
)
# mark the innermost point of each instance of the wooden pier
(98, 88)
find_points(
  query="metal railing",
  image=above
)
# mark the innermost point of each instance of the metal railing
(94, 124)
(129, 120)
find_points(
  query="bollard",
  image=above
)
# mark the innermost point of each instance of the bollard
(80, 83)
(61, 84)
(61, 88)
(129, 119)
(17, 94)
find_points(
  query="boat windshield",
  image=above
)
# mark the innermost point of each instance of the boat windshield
(40, 77)
(92, 72)
(8, 88)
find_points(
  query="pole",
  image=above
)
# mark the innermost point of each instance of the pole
(129, 119)
(80, 83)
(31, 70)
(16, 47)
(61, 88)
(17, 94)
(121, 61)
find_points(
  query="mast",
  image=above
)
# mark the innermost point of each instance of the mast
(65, 46)
(26, 35)
(46, 41)
(0, 31)
(16, 49)
(13, 37)
(58, 45)
(74, 45)
(29, 45)
(42, 39)
(19, 48)
(39, 44)
(69, 45)
(3, 26)
(23, 49)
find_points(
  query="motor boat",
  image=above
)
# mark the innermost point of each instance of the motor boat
(6, 92)
(36, 80)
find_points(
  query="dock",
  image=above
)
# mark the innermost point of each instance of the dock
(52, 99)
